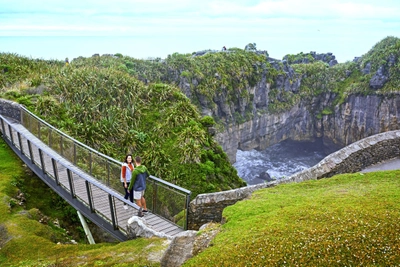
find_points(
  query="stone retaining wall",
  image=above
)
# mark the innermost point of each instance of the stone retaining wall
(353, 158)
(10, 109)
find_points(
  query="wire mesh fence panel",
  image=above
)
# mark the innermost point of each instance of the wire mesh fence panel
(44, 133)
(24, 146)
(68, 149)
(35, 154)
(102, 205)
(83, 158)
(115, 177)
(56, 142)
(79, 187)
(62, 176)
(33, 125)
(99, 168)
(48, 165)
(166, 202)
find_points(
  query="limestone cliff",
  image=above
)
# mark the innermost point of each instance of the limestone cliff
(341, 103)
(257, 101)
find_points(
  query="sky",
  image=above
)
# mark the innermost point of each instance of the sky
(54, 29)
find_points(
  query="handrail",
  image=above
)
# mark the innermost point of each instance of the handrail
(188, 192)
(111, 164)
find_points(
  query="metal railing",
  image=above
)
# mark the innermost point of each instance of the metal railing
(163, 198)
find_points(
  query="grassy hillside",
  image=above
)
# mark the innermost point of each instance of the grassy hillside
(111, 111)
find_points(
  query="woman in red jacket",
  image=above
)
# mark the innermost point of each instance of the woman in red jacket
(126, 175)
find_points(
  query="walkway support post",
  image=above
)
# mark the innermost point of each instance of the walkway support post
(86, 228)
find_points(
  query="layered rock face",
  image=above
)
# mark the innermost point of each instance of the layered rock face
(266, 130)
(359, 116)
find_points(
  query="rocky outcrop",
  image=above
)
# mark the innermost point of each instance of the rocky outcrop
(379, 79)
(180, 249)
(188, 244)
(360, 117)
(328, 58)
(137, 227)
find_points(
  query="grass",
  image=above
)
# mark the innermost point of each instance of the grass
(347, 220)
(26, 242)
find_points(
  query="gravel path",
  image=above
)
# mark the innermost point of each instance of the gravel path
(393, 164)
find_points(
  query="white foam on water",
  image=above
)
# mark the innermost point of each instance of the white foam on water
(280, 160)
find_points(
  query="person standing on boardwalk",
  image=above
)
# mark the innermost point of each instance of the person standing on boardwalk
(126, 175)
(138, 185)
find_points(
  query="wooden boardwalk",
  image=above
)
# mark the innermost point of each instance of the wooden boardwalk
(98, 202)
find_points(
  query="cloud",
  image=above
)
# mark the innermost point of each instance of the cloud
(283, 26)
(125, 16)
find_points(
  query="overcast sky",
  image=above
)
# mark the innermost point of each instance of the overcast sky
(155, 28)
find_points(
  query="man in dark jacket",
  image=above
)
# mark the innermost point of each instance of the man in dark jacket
(138, 183)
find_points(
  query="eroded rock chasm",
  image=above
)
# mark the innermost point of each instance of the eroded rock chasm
(355, 119)
(359, 115)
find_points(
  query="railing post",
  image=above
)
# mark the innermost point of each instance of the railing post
(154, 200)
(21, 116)
(112, 210)
(74, 153)
(90, 163)
(61, 146)
(20, 143)
(71, 183)
(108, 172)
(3, 127)
(55, 171)
(39, 135)
(187, 211)
(42, 161)
(30, 151)
(50, 131)
(89, 194)
(11, 135)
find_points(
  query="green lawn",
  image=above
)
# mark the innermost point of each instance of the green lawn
(347, 220)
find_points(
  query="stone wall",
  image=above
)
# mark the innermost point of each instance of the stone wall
(10, 109)
(207, 208)
(353, 158)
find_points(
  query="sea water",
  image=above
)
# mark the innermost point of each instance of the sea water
(279, 161)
